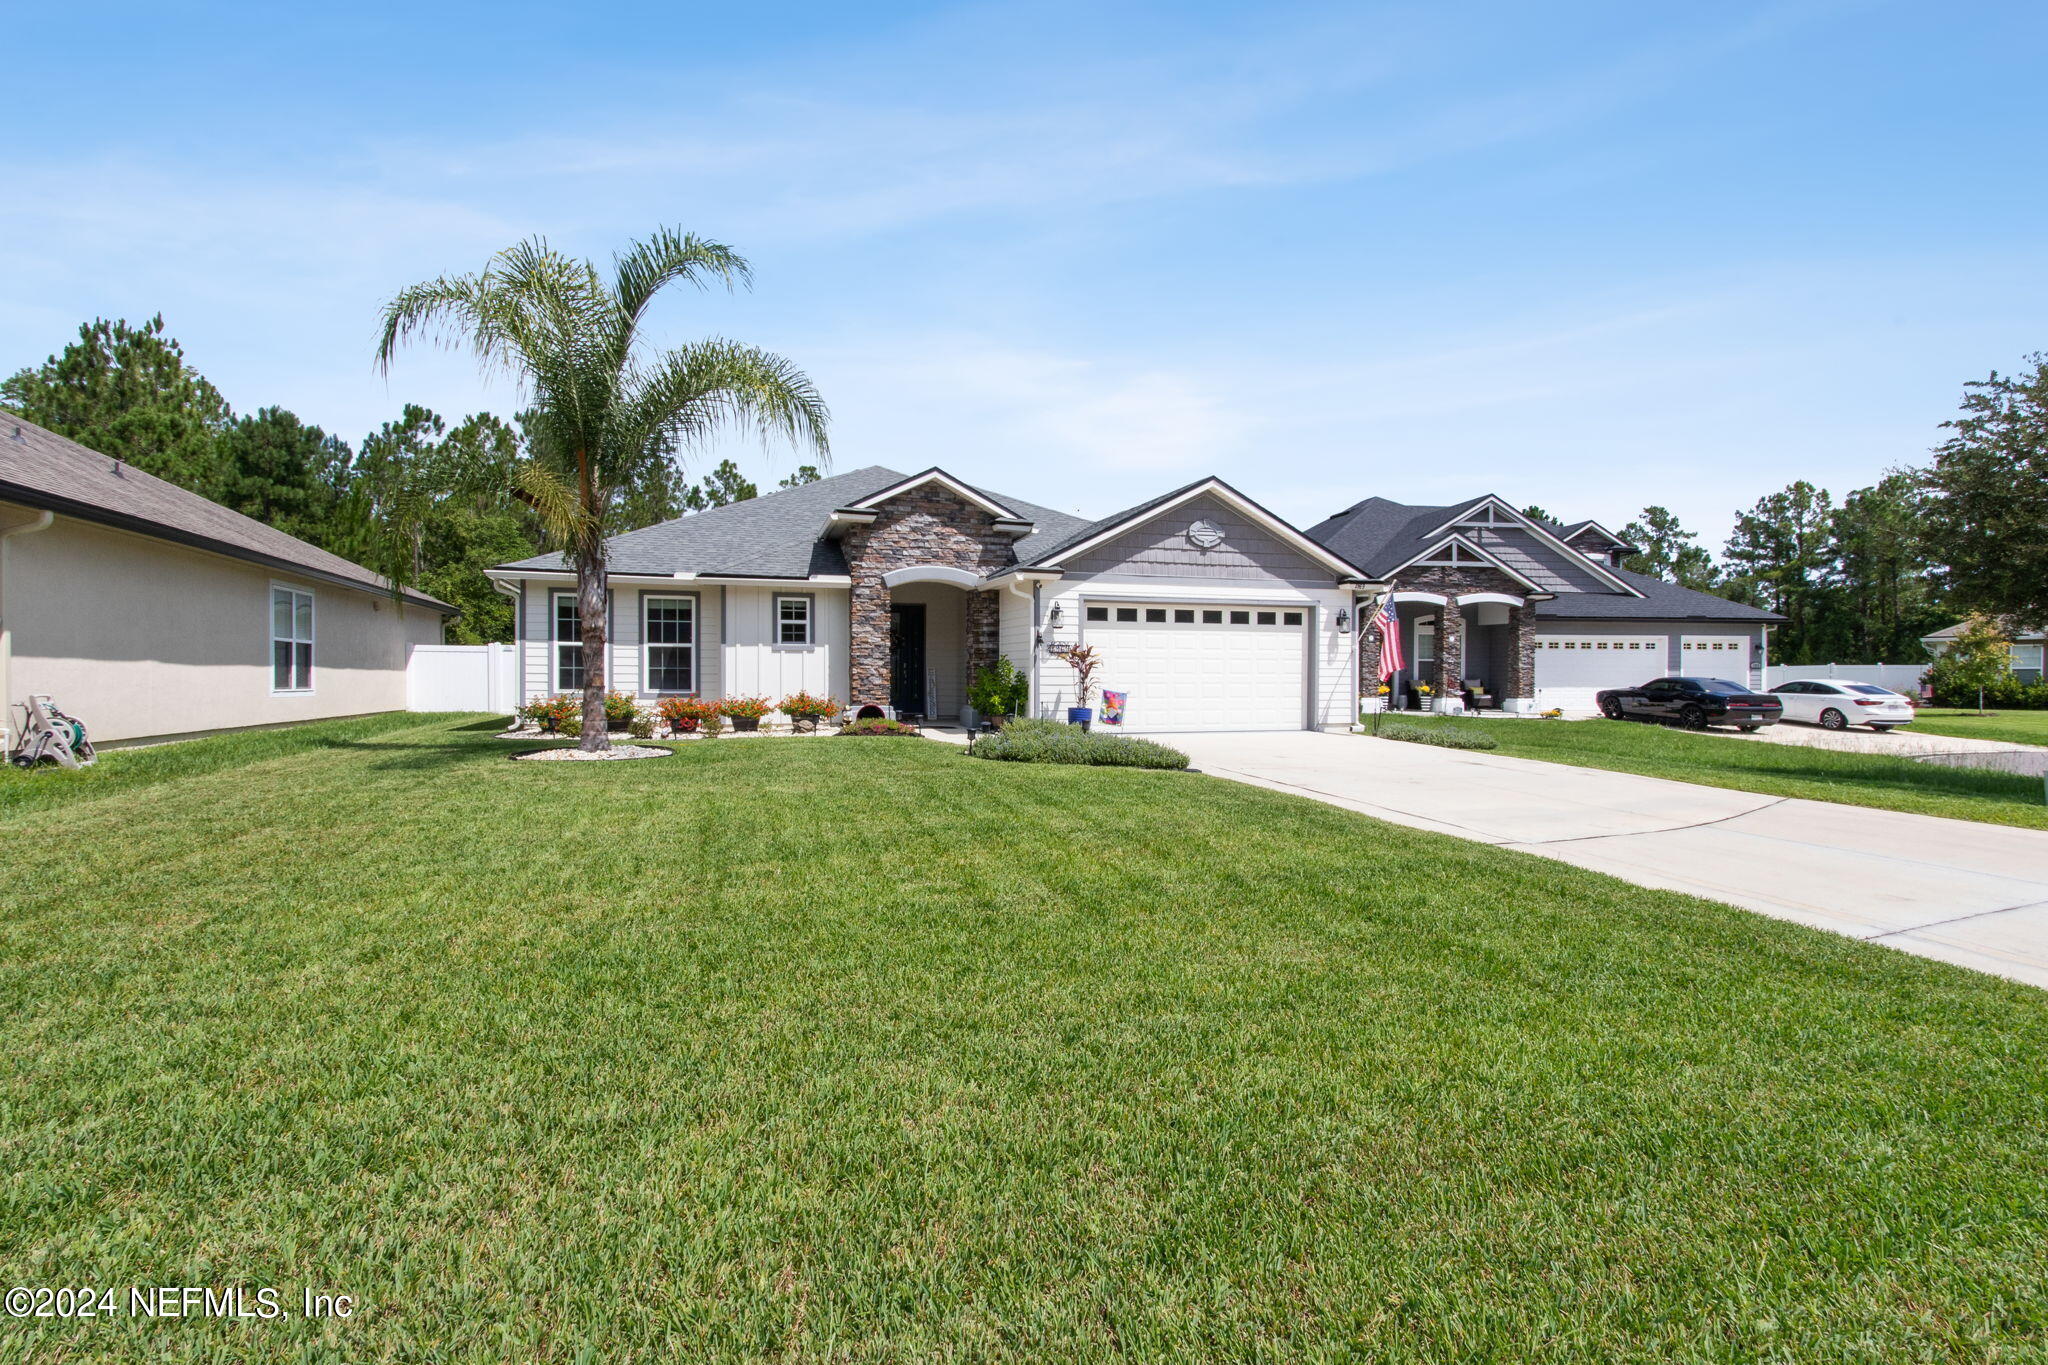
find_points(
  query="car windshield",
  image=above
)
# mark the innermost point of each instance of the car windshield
(1721, 687)
(1869, 691)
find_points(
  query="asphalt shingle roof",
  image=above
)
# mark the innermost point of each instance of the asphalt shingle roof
(779, 534)
(1379, 536)
(39, 468)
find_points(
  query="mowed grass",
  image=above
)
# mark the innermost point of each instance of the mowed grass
(801, 1050)
(2003, 727)
(1891, 783)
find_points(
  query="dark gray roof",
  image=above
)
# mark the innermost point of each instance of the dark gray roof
(779, 534)
(39, 468)
(1088, 530)
(1379, 536)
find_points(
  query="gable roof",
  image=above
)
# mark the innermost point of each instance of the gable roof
(1380, 536)
(39, 468)
(1109, 526)
(779, 534)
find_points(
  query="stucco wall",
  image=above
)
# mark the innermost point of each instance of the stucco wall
(140, 638)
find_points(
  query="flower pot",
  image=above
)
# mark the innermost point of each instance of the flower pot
(616, 725)
(742, 725)
(1080, 715)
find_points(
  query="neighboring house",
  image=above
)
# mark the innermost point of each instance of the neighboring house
(149, 612)
(2023, 657)
(888, 589)
(1539, 615)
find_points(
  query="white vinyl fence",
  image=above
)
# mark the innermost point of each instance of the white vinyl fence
(462, 678)
(1903, 678)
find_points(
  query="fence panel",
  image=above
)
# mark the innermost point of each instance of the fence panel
(461, 678)
(1898, 677)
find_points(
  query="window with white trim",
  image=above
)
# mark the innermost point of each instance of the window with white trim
(668, 630)
(568, 644)
(793, 619)
(291, 639)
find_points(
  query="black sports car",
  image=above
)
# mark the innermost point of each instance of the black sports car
(1694, 703)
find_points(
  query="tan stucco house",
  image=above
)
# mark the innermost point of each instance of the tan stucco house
(149, 612)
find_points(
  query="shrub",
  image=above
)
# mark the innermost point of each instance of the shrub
(878, 726)
(642, 726)
(619, 708)
(1000, 690)
(745, 708)
(1444, 737)
(1049, 741)
(561, 714)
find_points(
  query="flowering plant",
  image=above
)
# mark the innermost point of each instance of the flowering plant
(745, 708)
(1425, 689)
(618, 708)
(683, 714)
(561, 714)
(1384, 689)
(804, 706)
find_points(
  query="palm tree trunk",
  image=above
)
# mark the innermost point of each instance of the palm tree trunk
(590, 607)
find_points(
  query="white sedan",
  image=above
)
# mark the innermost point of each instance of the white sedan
(1836, 705)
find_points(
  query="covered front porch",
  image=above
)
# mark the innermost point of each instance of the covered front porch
(919, 638)
(1475, 649)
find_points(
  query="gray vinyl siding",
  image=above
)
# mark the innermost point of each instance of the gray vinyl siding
(1550, 569)
(1160, 549)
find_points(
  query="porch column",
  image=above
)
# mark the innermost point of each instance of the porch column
(984, 632)
(1520, 683)
(868, 643)
(1450, 652)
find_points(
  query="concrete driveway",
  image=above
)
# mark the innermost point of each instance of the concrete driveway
(1972, 894)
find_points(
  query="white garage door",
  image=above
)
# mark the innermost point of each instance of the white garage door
(1716, 656)
(1571, 668)
(1203, 667)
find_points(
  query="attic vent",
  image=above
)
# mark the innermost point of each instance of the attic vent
(18, 436)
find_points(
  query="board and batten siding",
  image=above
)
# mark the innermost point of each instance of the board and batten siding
(623, 672)
(1160, 548)
(753, 665)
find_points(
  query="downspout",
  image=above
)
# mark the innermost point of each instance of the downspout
(1031, 634)
(41, 522)
(517, 593)
(1763, 676)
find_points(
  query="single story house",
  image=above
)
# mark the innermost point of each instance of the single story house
(1209, 611)
(1538, 614)
(149, 612)
(2023, 655)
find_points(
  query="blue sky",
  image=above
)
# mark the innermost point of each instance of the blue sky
(1586, 255)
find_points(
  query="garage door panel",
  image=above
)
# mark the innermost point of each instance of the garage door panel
(1199, 675)
(1570, 669)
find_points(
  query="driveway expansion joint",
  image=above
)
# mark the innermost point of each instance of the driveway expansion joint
(1957, 919)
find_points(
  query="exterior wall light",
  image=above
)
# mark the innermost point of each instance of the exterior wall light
(1343, 620)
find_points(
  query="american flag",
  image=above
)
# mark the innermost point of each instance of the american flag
(1383, 621)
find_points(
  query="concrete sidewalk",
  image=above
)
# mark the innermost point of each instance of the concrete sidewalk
(1972, 894)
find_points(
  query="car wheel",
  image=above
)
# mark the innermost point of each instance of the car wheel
(1880, 729)
(1750, 729)
(1831, 719)
(1692, 718)
(1610, 708)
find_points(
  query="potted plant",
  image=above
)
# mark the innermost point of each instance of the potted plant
(997, 693)
(555, 715)
(745, 713)
(618, 710)
(805, 711)
(680, 714)
(1424, 692)
(1084, 660)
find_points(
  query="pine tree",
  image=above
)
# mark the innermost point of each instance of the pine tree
(1666, 550)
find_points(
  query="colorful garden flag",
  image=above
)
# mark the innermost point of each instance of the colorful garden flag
(1113, 707)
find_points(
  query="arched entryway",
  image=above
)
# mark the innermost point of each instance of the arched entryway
(936, 634)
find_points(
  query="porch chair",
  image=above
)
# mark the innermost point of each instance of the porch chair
(1476, 697)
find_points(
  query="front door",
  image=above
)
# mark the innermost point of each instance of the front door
(906, 657)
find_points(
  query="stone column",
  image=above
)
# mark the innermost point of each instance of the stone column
(1520, 684)
(868, 645)
(1450, 652)
(984, 631)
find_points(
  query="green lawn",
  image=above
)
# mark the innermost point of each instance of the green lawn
(1775, 769)
(800, 1050)
(2005, 727)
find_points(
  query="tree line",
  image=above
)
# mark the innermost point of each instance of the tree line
(1863, 580)
(425, 502)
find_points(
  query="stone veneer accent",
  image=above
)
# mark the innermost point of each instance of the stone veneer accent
(927, 525)
(1450, 633)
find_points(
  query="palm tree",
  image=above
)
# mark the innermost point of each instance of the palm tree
(604, 411)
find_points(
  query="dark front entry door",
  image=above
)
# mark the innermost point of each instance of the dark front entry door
(906, 657)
